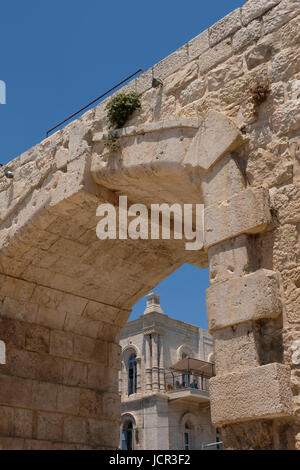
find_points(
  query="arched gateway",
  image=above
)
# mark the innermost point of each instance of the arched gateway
(222, 130)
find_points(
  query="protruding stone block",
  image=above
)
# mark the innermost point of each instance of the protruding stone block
(259, 393)
(251, 297)
(247, 212)
(217, 136)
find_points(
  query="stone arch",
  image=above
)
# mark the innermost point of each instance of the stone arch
(211, 357)
(123, 382)
(184, 349)
(65, 294)
(188, 417)
(128, 418)
(131, 348)
(188, 429)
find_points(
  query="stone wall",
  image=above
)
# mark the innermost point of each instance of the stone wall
(222, 130)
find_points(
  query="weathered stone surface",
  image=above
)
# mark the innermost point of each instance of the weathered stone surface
(226, 72)
(255, 8)
(285, 201)
(224, 180)
(241, 299)
(258, 55)
(249, 212)
(286, 118)
(230, 258)
(198, 45)
(285, 11)
(171, 63)
(217, 135)
(235, 349)
(258, 393)
(225, 27)
(246, 36)
(215, 56)
(181, 78)
(286, 64)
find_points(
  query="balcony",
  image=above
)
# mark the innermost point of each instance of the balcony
(188, 380)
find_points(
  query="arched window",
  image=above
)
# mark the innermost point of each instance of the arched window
(188, 427)
(132, 374)
(127, 436)
(187, 436)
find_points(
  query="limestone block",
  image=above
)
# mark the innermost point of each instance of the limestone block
(247, 212)
(235, 349)
(224, 180)
(23, 421)
(76, 373)
(68, 399)
(250, 297)
(225, 27)
(144, 81)
(15, 391)
(217, 135)
(258, 55)
(285, 65)
(259, 393)
(192, 92)
(37, 339)
(6, 420)
(269, 168)
(171, 63)
(50, 426)
(280, 15)
(198, 45)
(44, 396)
(291, 33)
(61, 343)
(285, 201)
(255, 8)
(75, 429)
(214, 56)
(246, 36)
(226, 72)
(286, 118)
(181, 78)
(91, 403)
(230, 258)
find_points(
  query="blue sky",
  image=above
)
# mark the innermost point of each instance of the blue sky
(57, 56)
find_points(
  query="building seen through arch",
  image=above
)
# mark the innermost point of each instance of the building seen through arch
(163, 383)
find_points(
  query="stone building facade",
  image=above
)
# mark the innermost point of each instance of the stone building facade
(161, 407)
(222, 130)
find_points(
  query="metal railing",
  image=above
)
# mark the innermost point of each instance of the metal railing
(93, 102)
(217, 444)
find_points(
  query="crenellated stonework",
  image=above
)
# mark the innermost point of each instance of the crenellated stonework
(222, 130)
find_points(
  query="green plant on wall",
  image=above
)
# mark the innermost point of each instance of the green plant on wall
(112, 142)
(121, 107)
